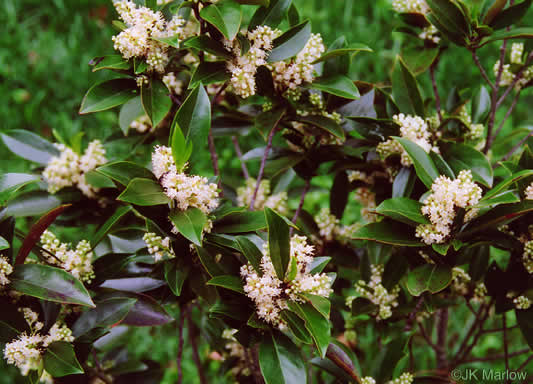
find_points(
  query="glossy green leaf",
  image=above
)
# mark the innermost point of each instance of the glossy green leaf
(133, 284)
(32, 203)
(405, 90)
(318, 264)
(144, 192)
(156, 101)
(146, 312)
(442, 166)
(480, 105)
(403, 183)
(190, 223)
(264, 3)
(501, 186)
(507, 197)
(210, 72)
(290, 43)
(278, 242)
(340, 86)
(388, 233)
(108, 94)
(349, 50)
(124, 171)
(226, 16)
(430, 277)
(324, 123)
(10, 183)
(240, 222)
(419, 59)
(251, 253)
(175, 274)
(503, 34)
(107, 313)
(511, 15)
(317, 325)
(320, 303)
(209, 45)
(271, 15)
(49, 283)
(524, 318)
(233, 283)
(3, 244)
(450, 20)
(60, 360)
(296, 326)
(29, 146)
(129, 112)
(106, 227)
(111, 62)
(363, 306)
(461, 156)
(280, 360)
(424, 165)
(209, 262)
(404, 210)
(181, 148)
(194, 119)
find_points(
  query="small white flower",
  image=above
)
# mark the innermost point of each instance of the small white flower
(529, 192)
(410, 6)
(405, 378)
(277, 202)
(517, 51)
(158, 247)
(5, 270)
(522, 302)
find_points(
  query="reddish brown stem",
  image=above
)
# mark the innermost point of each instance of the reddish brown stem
(263, 163)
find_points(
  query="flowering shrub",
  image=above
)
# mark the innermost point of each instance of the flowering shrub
(280, 293)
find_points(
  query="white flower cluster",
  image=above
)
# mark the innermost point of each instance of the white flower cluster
(69, 168)
(141, 124)
(158, 247)
(410, 6)
(173, 84)
(460, 281)
(508, 76)
(527, 256)
(517, 51)
(377, 293)
(77, 262)
(367, 198)
(368, 380)
(522, 302)
(440, 206)
(236, 350)
(331, 229)
(143, 27)
(243, 68)
(25, 352)
(277, 202)
(430, 33)
(529, 192)
(475, 131)
(290, 74)
(270, 294)
(405, 378)
(413, 128)
(5, 270)
(187, 191)
(480, 291)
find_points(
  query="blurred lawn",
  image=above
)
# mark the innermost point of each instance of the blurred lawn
(45, 48)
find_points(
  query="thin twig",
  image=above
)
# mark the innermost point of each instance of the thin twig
(497, 357)
(426, 337)
(507, 115)
(180, 343)
(239, 155)
(494, 330)
(494, 99)
(480, 321)
(263, 162)
(525, 363)
(482, 70)
(302, 200)
(517, 147)
(516, 79)
(213, 152)
(442, 328)
(194, 345)
(435, 89)
(412, 315)
(470, 332)
(505, 346)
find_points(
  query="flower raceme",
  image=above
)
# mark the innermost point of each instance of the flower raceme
(277, 201)
(270, 294)
(5, 270)
(441, 205)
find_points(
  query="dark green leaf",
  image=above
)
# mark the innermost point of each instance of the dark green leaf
(317, 325)
(251, 252)
(210, 72)
(106, 227)
(146, 312)
(129, 112)
(124, 171)
(524, 318)
(209, 45)
(503, 34)
(387, 233)
(403, 183)
(240, 222)
(430, 277)
(442, 165)
(297, 326)
(325, 124)
(107, 313)
(424, 165)
(461, 156)
(363, 306)
(10, 183)
(111, 62)
(108, 94)
(233, 283)
(60, 360)
(338, 198)
(144, 192)
(405, 90)
(480, 105)
(190, 223)
(340, 86)
(511, 15)
(507, 182)
(209, 262)
(264, 3)
(419, 59)
(270, 15)
(49, 283)
(33, 203)
(280, 360)
(175, 274)
(449, 14)
(3, 244)
(29, 146)
(225, 16)
(290, 43)
(404, 210)
(278, 242)
(156, 101)
(181, 148)
(349, 50)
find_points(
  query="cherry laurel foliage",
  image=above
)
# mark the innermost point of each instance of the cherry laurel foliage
(279, 293)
